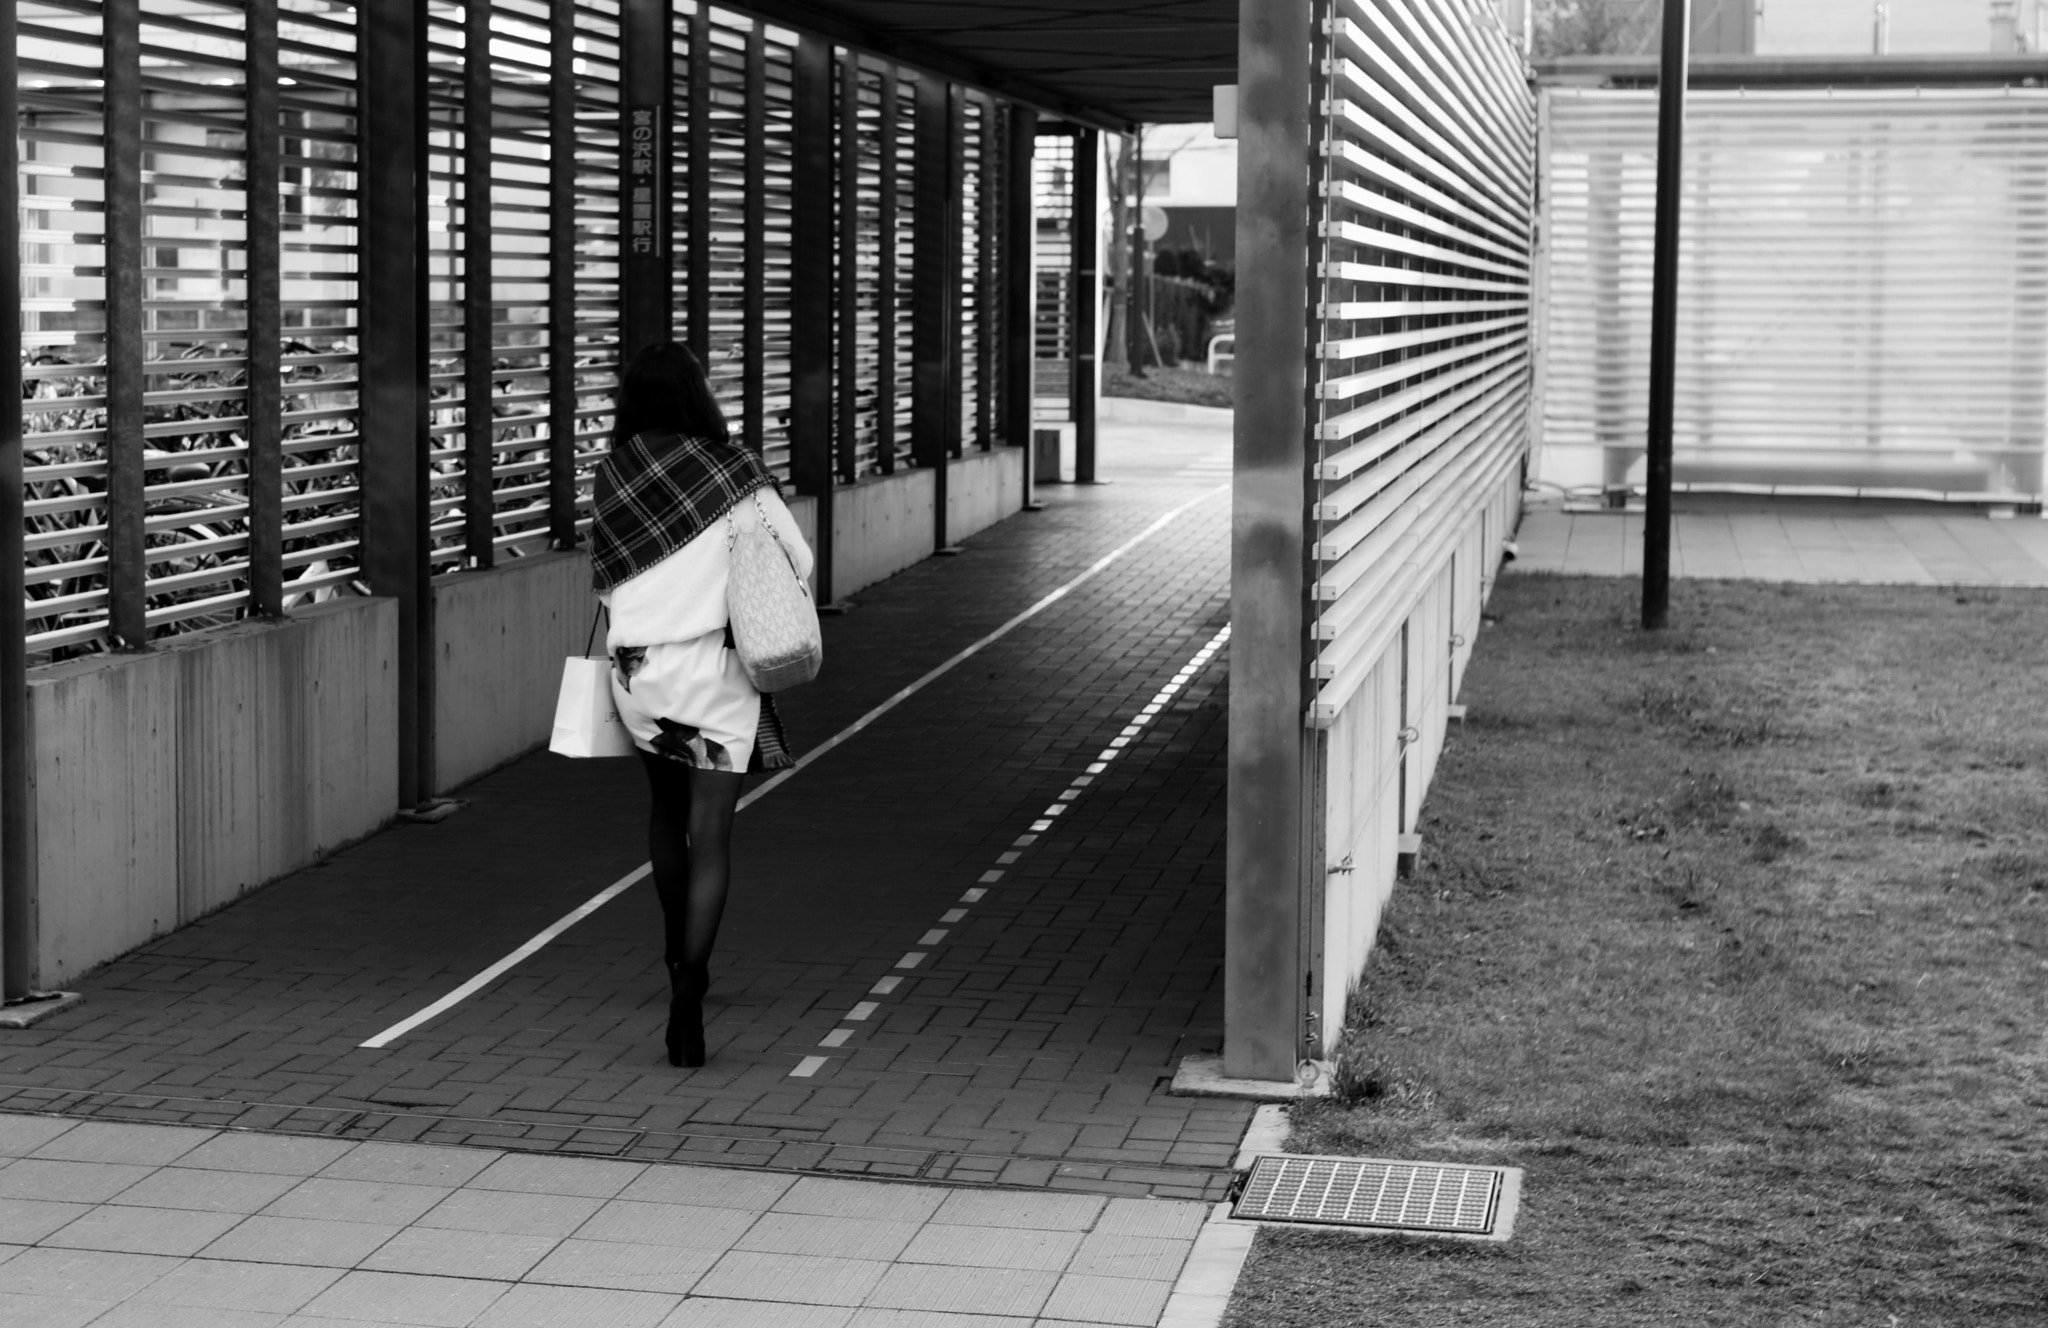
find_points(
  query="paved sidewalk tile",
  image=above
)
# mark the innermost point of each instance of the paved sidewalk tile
(208, 1191)
(801, 1279)
(300, 1240)
(444, 1252)
(533, 1306)
(403, 1298)
(213, 1284)
(623, 1267)
(712, 1312)
(142, 1231)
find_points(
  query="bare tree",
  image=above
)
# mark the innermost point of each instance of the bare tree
(1595, 27)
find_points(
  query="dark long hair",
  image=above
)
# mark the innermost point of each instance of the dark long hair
(664, 390)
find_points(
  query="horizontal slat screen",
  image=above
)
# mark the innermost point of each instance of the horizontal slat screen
(1863, 291)
(1421, 368)
(1052, 170)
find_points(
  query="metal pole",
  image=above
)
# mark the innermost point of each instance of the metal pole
(646, 267)
(562, 282)
(887, 298)
(266, 324)
(846, 420)
(1664, 312)
(127, 351)
(1134, 266)
(17, 934)
(391, 131)
(1086, 233)
(811, 327)
(1019, 278)
(933, 261)
(478, 457)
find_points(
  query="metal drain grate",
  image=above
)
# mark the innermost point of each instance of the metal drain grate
(1369, 1192)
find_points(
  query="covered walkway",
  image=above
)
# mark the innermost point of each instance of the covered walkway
(969, 943)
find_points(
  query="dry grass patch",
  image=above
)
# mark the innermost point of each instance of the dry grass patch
(1736, 938)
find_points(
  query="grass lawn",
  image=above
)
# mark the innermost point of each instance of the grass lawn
(1735, 937)
(1189, 386)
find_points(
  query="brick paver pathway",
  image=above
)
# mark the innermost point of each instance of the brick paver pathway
(1031, 1043)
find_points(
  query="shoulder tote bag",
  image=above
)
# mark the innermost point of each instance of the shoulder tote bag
(587, 719)
(774, 623)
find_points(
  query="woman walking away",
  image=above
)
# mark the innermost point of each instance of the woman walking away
(667, 493)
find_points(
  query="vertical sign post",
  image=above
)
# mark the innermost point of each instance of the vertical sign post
(645, 271)
(1664, 312)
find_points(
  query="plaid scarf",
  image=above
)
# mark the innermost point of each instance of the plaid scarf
(658, 492)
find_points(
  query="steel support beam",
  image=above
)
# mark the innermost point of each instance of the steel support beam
(17, 919)
(1267, 876)
(1019, 224)
(562, 424)
(1085, 299)
(846, 420)
(934, 320)
(127, 351)
(646, 266)
(988, 281)
(697, 293)
(266, 317)
(478, 459)
(754, 246)
(391, 132)
(811, 324)
(887, 295)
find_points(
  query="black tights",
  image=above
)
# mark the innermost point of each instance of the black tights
(689, 841)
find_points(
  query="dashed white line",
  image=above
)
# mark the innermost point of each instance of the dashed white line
(1156, 706)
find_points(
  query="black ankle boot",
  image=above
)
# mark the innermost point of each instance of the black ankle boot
(686, 985)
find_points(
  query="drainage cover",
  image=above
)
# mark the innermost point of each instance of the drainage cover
(1370, 1192)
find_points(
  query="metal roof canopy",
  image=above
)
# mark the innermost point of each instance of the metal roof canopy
(1097, 62)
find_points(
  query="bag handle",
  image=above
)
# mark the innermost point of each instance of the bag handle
(590, 641)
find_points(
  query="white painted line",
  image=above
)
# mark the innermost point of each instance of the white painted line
(1056, 809)
(1041, 825)
(1006, 858)
(489, 975)
(1026, 841)
(809, 758)
(883, 986)
(932, 937)
(911, 960)
(808, 1066)
(836, 1038)
(953, 915)
(1073, 793)
(1097, 767)
(974, 895)
(991, 877)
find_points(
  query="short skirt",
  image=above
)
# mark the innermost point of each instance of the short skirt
(690, 701)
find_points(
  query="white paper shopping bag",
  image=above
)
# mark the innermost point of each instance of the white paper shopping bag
(587, 720)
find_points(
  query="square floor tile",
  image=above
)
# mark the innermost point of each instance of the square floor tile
(710, 1312)
(445, 1252)
(20, 1311)
(22, 1135)
(530, 1306)
(832, 1237)
(274, 1154)
(357, 1201)
(512, 1212)
(1149, 1258)
(217, 1284)
(72, 1182)
(403, 1298)
(997, 1291)
(120, 1141)
(596, 1178)
(668, 1224)
(301, 1240)
(992, 1247)
(142, 1230)
(412, 1164)
(623, 1267)
(1172, 1219)
(1108, 1300)
(26, 1221)
(830, 1197)
(708, 1187)
(143, 1314)
(805, 1280)
(1025, 1209)
(84, 1274)
(206, 1191)
(873, 1317)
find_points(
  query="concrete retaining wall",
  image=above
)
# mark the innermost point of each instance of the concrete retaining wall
(167, 784)
(881, 526)
(981, 489)
(499, 640)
